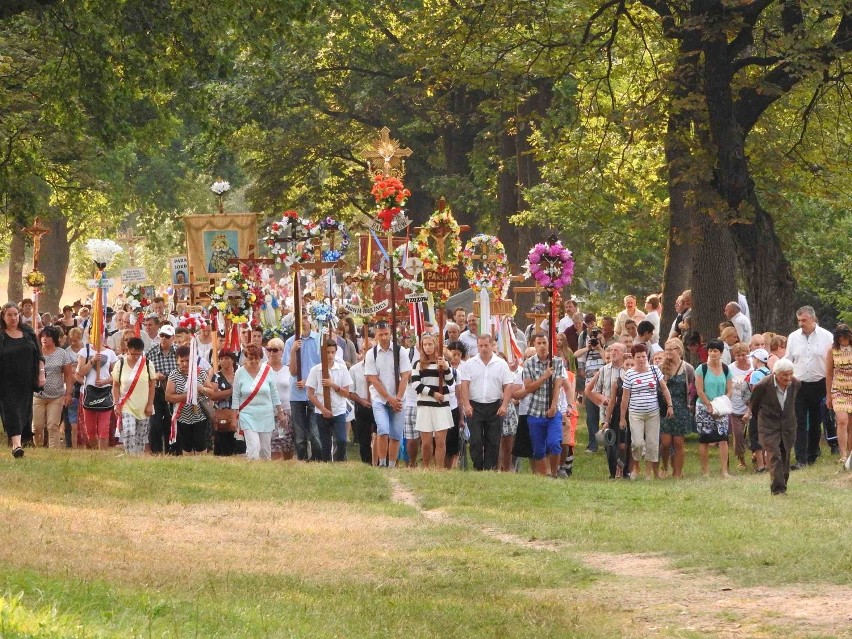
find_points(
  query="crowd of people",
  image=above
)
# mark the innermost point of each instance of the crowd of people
(420, 400)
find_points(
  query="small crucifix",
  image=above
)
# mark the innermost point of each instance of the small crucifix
(390, 153)
(36, 231)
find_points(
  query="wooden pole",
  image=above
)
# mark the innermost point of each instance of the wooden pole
(393, 308)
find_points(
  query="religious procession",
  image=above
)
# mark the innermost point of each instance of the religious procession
(283, 350)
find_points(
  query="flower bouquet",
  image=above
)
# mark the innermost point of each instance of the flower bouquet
(35, 279)
(551, 264)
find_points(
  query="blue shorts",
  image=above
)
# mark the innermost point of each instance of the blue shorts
(388, 421)
(545, 435)
(72, 411)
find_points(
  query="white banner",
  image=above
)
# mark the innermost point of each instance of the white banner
(134, 276)
(414, 298)
(366, 310)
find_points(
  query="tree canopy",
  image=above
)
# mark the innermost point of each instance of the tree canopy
(661, 139)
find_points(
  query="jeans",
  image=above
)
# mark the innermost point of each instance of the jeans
(303, 420)
(333, 426)
(485, 428)
(593, 418)
(809, 421)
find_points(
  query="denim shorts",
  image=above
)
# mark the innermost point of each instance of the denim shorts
(388, 421)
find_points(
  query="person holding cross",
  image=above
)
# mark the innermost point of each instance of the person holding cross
(388, 371)
(301, 354)
(542, 377)
(331, 419)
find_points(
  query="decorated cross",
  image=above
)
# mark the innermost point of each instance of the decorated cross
(36, 231)
(390, 153)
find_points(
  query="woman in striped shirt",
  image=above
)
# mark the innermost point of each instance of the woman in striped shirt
(640, 396)
(431, 378)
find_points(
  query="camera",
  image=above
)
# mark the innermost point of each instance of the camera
(594, 337)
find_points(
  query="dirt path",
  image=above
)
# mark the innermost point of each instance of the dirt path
(664, 601)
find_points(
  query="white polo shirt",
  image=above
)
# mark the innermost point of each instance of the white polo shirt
(486, 380)
(807, 352)
(382, 366)
(743, 326)
(339, 374)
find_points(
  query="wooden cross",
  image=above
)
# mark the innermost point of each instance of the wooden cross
(390, 153)
(440, 235)
(36, 231)
(365, 283)
(537, 290)
(319, 266)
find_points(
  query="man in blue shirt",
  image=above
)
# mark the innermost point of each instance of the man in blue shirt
(302, 411)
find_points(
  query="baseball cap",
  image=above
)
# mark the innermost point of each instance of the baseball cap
(167, 329)
(760, 354)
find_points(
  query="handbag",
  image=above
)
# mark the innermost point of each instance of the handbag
(207, 407)
(98, 398)
(223, 420)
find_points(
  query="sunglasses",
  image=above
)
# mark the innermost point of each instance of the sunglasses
(166, 336)
(274, 350)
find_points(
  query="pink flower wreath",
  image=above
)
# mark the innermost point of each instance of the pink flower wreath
(551, 264)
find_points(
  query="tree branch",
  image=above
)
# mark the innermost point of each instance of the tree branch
(752, 101)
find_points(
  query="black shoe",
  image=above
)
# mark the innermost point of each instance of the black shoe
(18, 452)
(779, 492)
(835, 450)
(798, 466)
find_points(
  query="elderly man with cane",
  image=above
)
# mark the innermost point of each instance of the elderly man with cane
(773, 405)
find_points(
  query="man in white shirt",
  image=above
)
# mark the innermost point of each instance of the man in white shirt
(630, 312)
(469, 336)
(365, 424)
(743, 324)
(807, 348)
(388, 370)
(652, 308)
(331, 419)
(485, 393)
(567, 319)
(150, 332)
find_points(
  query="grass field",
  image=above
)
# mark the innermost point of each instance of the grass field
(100, 545)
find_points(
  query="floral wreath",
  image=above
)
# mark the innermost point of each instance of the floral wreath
(551, 264)
(329, 224)
(289, 252)
(35, 279)
(238, 293)
(452, 247)
(321, 312)
(357, 277)
(135, 296)
(390, 196)
(491, 276)
(429, 259)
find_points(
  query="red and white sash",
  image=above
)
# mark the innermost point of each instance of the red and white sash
(258, 382)
(135, 374)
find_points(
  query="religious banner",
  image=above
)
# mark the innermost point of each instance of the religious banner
(179, 268)
(367, 249)
(212, 240)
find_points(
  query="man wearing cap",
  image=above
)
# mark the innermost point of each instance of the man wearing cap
(163, 356)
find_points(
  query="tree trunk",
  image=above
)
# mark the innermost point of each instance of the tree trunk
(770, 285)
(55, 257)
(683, 175)
(15, 288)
(713, 277)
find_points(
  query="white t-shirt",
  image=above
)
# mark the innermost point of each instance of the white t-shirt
(654, 318)
(381, 364)
(738, 376)
(340, 376)
(108, 358)
(282, 384)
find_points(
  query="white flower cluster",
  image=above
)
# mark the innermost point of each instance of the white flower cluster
(220, 187)
(103, 251)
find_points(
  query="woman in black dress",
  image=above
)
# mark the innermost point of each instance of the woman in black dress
(22, 372)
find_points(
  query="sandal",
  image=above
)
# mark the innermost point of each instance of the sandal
(18, 452)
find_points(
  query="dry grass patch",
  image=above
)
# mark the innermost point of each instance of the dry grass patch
(137, 544)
